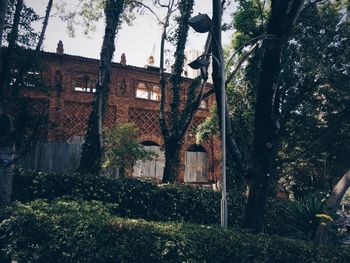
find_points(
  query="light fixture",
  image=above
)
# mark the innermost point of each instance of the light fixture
(198, 63)
(201, 23)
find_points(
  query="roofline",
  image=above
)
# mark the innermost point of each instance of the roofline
(114, 64)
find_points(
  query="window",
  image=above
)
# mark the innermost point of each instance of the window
(31, 79)
(204, 105)
(84, 82)
(196, 164)
(148, 91)
(152, 168)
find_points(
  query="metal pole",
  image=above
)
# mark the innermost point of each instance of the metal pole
(223, 143)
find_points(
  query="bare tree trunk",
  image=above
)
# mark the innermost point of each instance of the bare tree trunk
(322, 235)
(92, 151)
(338, 193)
(45, 23)
(281, 21)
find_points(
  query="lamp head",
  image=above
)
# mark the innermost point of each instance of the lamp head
(199, 63)
(201, 23)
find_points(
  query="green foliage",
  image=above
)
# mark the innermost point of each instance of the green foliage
(27, 36)
(207, 128)
(87, 13)
(70, 231)
(302, 216)
(122, 150)
(130, 197)
(276, 218)
(315, 78)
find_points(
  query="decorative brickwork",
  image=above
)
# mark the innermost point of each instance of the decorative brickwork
(110, 119)
(194, 124)
(76, 118)
(73, 79)
(147, 121)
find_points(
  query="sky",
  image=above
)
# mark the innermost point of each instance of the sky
(138, 41)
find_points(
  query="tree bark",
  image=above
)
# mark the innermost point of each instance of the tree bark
(92, 151)
(172, 162)
(45, 23)
(282, 18)
(173, 130)
(322, 234)
(7, 57)
(338, 193)
(3, 9)
(7, 152)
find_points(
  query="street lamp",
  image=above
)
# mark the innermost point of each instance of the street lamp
(203, 24)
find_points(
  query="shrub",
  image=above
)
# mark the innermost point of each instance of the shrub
(131, 197)
(71, 231)
(277, 218)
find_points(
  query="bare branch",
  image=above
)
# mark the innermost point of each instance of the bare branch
(208, 93)
(311, 4)
(251, 41)
(162, 119)
(245, 56)
(139, 3)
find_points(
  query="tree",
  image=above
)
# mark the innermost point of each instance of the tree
(8, 56)
(115, 11)
(175, 127)
(92, 152)
(21, 18)
(3, 8)
(122, 150)
(310, 95)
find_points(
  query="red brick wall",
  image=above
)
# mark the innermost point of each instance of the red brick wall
(69, 110)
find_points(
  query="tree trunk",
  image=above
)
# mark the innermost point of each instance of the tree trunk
(7, 153)
(322, 235)
(122, 171)
(282, 18)
(3, 9)
(7, 57)
(45, 23)
(174, 129)
(172, 162)
(32, 56)
(338, 193)
(92, 151)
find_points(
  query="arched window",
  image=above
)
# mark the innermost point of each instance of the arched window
(148, 91)
(196, 164)
(153, 168)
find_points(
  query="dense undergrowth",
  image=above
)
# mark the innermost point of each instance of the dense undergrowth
(72, 231)
(87, 218)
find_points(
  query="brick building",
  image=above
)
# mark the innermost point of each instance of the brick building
(134, 97)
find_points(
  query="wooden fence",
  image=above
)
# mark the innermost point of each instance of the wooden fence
(52, 157)
(65, 157)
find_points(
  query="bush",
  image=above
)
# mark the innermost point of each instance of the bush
(71, 231)
(277, 218)
(131, 197)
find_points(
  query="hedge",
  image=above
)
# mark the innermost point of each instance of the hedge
(72, 231)
(131, 197)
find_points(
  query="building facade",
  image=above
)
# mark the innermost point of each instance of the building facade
(134, 97)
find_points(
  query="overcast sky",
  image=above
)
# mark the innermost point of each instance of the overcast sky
(136, 41)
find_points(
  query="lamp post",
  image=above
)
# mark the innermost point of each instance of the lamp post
(203, 24)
